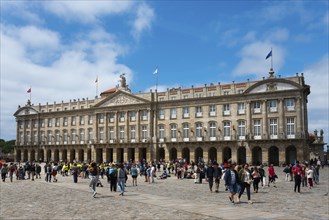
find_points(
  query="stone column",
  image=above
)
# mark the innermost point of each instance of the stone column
(219, 155)
(192, 155)
(265, 156)
(137, 154)
(125, 154)
(281, 128)
(115, 155)
(234, 151)
(104, 154)
(179, 152)
(264, 128)
(282, 155)
(205, 155)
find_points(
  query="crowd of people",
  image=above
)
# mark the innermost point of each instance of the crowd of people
(236, 178)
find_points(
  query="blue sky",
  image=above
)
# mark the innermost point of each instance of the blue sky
(59, 47)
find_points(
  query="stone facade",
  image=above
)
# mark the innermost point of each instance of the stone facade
(261, 121)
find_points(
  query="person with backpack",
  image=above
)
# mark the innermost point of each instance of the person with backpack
(4, 171)
(38, 171)
(113, 178)
(121, 176)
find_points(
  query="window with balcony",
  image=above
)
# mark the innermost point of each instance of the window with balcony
(101, 134)
(272, 104)
(35, 137)
(64, 121)
(242, 130)
(42, 123)
(122, 132)
(161, 114)
(50, 137)
(57, 137)
(50, 122)
(28, 137)
(256, 107)
(57, 122)
(226, 92)
(65, 137)
(82, 120)
(111, 117)
(198, 111)
(273, 128)
(227, 130)
(212, 131)
(161, 132)
(198, 95)
(186, 132)
(82, 136)
(90, 135)
(173, 132)
(290, 127)
(122, 116)
(241, 108)
(73, 120)
(144, 132)
(257, 129)
(90, 119)
(212, 110)
(133, 132)
(34, 123)
(144, 115)
(186, 112)
(173, 113)
(226, 109)
(198, 130)
(101, 118)
(132, 116)
(112, 134)
(42, 137)
(290, 104)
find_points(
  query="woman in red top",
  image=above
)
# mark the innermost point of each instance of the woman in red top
(271, 175)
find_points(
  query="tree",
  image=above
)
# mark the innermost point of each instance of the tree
(7, 147)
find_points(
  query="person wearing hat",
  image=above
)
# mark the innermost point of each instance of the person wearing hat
(297, 171)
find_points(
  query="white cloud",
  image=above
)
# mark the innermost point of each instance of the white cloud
(144, 18)
(253, 59)
(86, 11)
(316, 76)
(281, 34)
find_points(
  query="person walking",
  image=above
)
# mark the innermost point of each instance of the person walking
(121, 179)
(209, 175)
(93, 178)
(134, 174)
(4, 171)
(12, 170)
(217, 175)
(245, 180)
(256, 177)
(271, 175)
(75, 172)
(232, 182)
(297, 171)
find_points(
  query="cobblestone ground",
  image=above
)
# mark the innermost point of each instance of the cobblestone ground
(164, 199)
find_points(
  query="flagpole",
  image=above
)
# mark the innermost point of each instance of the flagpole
(272, 59)
(96, 86)
(31, 94)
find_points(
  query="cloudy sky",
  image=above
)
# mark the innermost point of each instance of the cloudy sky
(57, 48)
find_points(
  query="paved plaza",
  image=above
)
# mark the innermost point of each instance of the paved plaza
(165, 199)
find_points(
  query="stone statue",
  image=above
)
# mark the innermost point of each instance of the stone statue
(123, 81)
(321, 133)
(316, 132)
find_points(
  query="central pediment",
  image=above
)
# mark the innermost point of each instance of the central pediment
(120, 98)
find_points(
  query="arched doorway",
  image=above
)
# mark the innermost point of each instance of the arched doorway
(186, 154)
(109, 154)
(41, 155)
(32, 155)
(242, 156)
(48, 155)
(227, 154)
(291, 154)
(273, 156)
(64, 155)
(81, 155)
(99, 155)
(18, 155)
(198, 155)
(72, 155)
(162, 155)
(56, 155)
(173, 154)
(131, 154)
(142, 154)
(212, 154)
(256, 156)
(25, 156)
(89, 155)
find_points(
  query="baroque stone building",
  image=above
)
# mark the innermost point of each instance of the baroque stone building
(262, 121)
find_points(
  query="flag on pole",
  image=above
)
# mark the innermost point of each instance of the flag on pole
(155, 71)
(96, 81)
(268, 55)
(29, 90)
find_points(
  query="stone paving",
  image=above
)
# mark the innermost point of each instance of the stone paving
(164, 199)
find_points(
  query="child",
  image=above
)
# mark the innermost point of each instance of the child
(309, 173)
